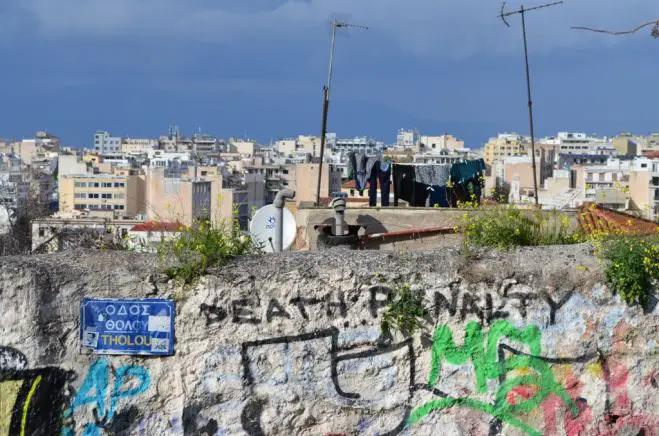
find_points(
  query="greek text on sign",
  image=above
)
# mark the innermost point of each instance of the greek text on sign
(117, 326)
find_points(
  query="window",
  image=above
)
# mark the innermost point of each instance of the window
(80, 184)
(42, 232)
(119, 196)
(80, 206)
(80, 195)
(93, 196)
(106, 195)
(106, 185)
(119, 185)
(95, 185)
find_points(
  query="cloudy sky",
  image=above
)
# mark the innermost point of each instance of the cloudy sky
(256, 68)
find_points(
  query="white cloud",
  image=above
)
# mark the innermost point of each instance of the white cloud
(427, 28)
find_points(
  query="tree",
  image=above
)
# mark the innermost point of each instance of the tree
(23, 199)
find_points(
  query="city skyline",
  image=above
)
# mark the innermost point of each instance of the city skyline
(131, 68)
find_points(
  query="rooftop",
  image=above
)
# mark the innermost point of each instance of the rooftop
(157, 226)
(597, 218)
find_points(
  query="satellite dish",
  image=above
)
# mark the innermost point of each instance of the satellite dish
(264, 225)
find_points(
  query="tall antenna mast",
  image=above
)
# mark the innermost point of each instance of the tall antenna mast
(326, 93)
(523, 12)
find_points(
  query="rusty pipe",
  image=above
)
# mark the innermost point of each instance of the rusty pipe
(411, 232)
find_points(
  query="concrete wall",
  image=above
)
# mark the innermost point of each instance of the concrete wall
(390, 219)
(525, 342)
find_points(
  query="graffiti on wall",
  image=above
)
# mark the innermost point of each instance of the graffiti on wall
(317, 365)
(32, 399)
(104, 397)
(458, 303)
(491, 361)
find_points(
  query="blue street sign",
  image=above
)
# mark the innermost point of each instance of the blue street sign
(117, 326)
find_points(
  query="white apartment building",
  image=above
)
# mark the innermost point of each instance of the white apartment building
(360, 144)
(104, 143)
(286, 146)
(204, 144)
(136, 146)
(580, 143)
(434, 144)
(407, 138)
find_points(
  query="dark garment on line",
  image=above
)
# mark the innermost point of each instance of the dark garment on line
(420, 195)
(462, 172)
(466, 178)
(403, 176)
(380, 173)
(437, 195)
(352, 166)
(385, 182)
(360, 175)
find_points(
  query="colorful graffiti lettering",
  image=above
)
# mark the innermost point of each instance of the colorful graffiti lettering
(31, 400)
(491, 363)
(130, 381)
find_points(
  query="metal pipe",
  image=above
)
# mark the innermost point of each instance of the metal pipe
(323, 134)
(528, 91)
(411, 232)
(280, 201)
(339, 206)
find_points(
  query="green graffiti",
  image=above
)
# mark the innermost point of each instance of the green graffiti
(488, 366)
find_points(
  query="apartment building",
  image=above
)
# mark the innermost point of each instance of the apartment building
(120, 195)
(68, 165)
(245, 148)
(505, 145)
(360, 144)
(580, 143)
(104, 143)
(173, 196)
(444, 156)
(204, 144)
(644, 187)
(286, 146)
(625, 146)
(137, 146)
(276, 178)
(407, 139)
(434, 144)
(303, 179)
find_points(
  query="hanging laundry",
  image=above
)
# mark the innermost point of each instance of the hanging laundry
(384, 177)
(360, 175)
(403, 177)
(467, 180)
(437, 196)
(432, 174)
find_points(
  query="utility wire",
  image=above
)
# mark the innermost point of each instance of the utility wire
(654, 33)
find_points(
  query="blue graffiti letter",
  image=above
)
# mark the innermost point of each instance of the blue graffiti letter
(97, 380)
(124, 374)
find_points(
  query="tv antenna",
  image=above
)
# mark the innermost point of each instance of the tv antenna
(521, 11)
(336, 24)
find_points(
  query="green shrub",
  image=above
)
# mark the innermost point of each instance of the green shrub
(405, 312)
(506, 227)
(202, 246)
(632, 267)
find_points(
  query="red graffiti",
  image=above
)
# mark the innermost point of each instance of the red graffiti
(618, 418)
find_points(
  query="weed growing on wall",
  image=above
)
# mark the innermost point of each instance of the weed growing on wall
(632, 266)
(405, 311)
(506, 227)
(203, 246)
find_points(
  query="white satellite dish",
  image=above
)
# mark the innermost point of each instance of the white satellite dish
(264, 225)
